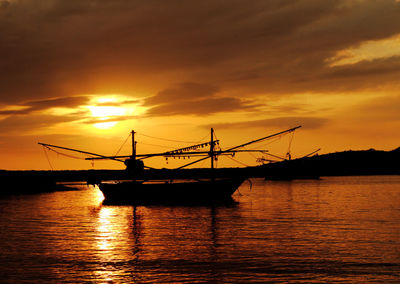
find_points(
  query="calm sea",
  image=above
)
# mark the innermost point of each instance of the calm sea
(333, 230)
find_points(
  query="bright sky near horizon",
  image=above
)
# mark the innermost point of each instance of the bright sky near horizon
(83, 74)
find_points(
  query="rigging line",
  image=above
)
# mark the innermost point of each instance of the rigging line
(278, 138)
(123, 144)
(202, 139)
(216, 139)
(275, 156)
(290, 144)
(290, 141)
(47, 157)
(269, 142)
(161, 146)
(243, 164)
(170, 140)
(202, 163)
(251, 154)
(65, 155)
(215, 135)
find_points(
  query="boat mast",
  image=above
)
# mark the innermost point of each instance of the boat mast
(132, 164)
(212, 148)
(133, 145)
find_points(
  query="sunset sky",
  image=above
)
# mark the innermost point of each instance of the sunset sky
(83, 74)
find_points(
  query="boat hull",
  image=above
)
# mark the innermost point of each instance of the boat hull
(171, 191)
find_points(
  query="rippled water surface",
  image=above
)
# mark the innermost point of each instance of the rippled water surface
(337, 229)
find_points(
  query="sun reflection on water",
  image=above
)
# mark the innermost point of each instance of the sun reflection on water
(113, 242)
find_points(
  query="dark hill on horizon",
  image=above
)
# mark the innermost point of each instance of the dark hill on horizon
(346, 163)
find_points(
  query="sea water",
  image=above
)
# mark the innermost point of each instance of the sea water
(333, 230)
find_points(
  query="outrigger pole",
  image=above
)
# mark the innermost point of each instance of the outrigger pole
(79, 151)
(266, 137)
(173, 154)
(239, 146)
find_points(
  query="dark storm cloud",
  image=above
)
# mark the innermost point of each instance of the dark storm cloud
(183, 91)
(201, 107)
(4, 4)
(195, 99)
(280, 122)
(38, 105)
(26, 119)
(25, 123)
(297, 108)
(63, 48)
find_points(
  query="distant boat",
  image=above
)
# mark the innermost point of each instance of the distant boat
(291, 170)
(140, 190)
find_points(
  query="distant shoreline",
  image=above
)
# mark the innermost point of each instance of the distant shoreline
(346, 163)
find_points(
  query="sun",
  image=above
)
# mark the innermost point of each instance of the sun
(105, 111)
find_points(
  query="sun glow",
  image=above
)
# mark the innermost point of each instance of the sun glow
(105, 125)
(107, 111)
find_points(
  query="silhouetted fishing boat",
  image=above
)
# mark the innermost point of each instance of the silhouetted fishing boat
(140, 189)
(160, 191)
(172, 190)
(292, 169)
